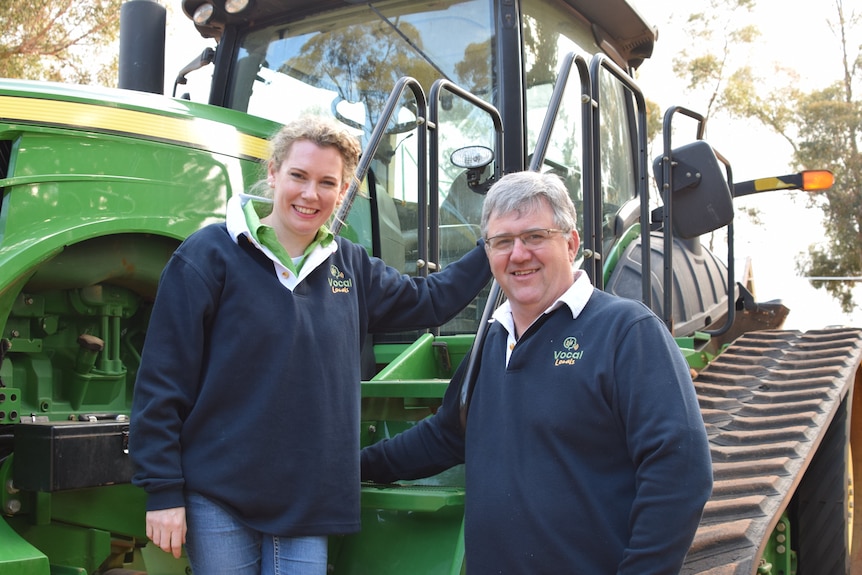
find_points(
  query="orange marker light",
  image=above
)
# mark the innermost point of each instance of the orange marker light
(817, 180)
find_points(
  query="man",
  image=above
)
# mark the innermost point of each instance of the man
(585, 449)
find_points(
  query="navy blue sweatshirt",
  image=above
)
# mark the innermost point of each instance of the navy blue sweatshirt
(249, 394)
(586, 454)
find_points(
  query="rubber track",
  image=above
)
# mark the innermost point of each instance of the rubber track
(766, 402)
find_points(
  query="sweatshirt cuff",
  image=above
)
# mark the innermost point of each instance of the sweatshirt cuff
(167, 499)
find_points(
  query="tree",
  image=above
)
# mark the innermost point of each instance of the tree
(706, 69)
(824, 129)
(830, 128)
(716, 36)
(60, 41)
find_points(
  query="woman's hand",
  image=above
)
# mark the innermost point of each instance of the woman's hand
(167, 529)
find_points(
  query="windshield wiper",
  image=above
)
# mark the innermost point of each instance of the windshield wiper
(409, 42)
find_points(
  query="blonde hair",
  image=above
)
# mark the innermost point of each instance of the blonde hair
(322, 132)
(319, 130)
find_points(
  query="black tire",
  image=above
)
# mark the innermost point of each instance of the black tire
(820, 525)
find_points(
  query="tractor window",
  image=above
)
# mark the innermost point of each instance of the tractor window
(615, 144)
(345, 63)
(550, 32)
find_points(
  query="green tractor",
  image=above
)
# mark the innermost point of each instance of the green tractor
(99, 186)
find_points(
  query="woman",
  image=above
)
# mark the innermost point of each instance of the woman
(245, 419)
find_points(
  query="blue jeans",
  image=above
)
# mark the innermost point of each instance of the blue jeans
(218, 544)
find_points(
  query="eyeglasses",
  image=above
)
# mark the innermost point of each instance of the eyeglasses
(532, 240)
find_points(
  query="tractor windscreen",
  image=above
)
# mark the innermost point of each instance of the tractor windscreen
(345, 63)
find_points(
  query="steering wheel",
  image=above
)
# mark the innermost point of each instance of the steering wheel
(557, 167)
(399, 128)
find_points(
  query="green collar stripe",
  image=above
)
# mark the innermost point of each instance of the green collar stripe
(265, 236)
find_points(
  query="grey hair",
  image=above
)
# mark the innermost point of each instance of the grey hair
(527, 193)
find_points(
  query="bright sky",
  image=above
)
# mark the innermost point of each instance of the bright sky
(799, 37)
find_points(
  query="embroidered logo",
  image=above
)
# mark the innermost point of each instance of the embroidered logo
(337, 282)
(570, 353)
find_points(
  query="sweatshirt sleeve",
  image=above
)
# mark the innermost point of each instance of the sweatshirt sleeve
(432, 446)
(396, 301)
(667, 444)
(167, 380)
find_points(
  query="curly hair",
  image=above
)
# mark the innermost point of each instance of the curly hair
(321, 131)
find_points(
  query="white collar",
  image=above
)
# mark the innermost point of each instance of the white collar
(576, 297)
(238, 226)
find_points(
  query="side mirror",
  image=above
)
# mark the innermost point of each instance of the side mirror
(700, 195)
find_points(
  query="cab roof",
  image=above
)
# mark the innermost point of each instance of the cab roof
(618, 27)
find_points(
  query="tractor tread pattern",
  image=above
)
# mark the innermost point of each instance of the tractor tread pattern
(767, 402)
